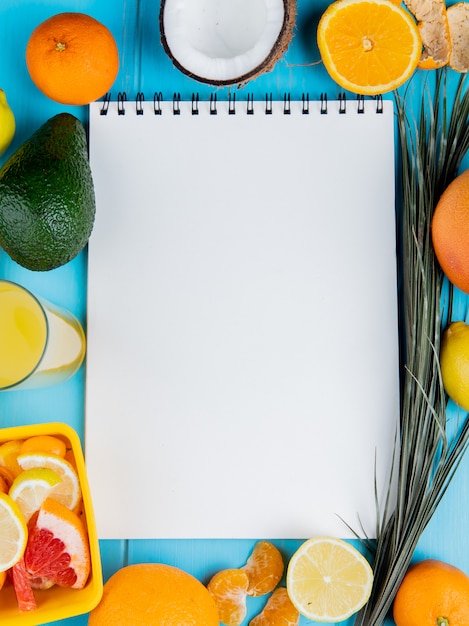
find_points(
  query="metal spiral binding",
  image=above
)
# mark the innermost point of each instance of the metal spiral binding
(195, 104)
(342, 103)
(157, 100)
(213, 104)
(121, 99)
(360, 104)
(105, 107)
(323, 104)
(379, 104)
(139, 103)
(232, 109)
(250, 104)
(176, 104)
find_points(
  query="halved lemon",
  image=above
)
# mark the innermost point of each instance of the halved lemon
(369, 47)
(68, 491)
(328, 580)
(13, 533)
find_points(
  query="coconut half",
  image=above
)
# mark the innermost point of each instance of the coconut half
(226, 42)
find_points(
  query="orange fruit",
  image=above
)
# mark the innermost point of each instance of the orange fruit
(4, 486)
(8, 456)
(264, 568)
(3, 577)
(229, 588)
(72, 58)
(432, 592)
(154, 593)
(7, 476)
(368, 46)
(57, 549)
(44, 443)
(450, 231)
(278, 611)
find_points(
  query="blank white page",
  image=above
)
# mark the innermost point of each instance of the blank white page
(242, 366)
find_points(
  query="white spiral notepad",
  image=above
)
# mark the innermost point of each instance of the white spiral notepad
(242, 366)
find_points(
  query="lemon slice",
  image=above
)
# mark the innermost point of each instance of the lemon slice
(328, 580)
(32, 487)
(13, 533)
(68, 491)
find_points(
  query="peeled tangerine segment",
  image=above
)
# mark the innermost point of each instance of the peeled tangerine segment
(278, 611)
(229, 589)
(458, 18)
(433, 24)
(226, 42)
(264, 568)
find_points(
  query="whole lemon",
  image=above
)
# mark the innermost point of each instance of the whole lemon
(454, 362)
(7, 123)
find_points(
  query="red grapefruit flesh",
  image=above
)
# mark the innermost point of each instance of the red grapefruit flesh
(22, 586)
(57, 550)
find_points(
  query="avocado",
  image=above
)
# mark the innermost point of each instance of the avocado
(47, 200)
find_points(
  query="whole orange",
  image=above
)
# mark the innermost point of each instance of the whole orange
(146, 594)
(432, 593)
(72, 58)
(450, 231)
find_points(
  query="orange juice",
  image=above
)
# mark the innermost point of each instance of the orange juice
(40, 343)
(23, 333)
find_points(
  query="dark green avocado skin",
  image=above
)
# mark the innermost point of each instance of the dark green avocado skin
(47, 200)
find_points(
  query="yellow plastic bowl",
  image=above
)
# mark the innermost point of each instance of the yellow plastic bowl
(57, 603)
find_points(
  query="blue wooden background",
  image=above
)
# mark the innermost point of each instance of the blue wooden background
(144, 67)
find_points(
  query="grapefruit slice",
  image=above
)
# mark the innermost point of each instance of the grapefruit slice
(57, 550)
(23, 590)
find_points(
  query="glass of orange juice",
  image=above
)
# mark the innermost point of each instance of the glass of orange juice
(40, 343)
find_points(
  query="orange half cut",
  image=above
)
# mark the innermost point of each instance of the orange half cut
(369, 47)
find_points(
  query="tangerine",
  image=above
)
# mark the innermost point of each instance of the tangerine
(154, 593)
(44, 443)
(432, 592)
(264, 568)
(72, 58)
(229, 588)
(278, 611)
(450, 231)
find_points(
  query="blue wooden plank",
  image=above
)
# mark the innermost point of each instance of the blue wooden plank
(145, 67)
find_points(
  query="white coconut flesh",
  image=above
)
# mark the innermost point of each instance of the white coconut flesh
(225, 41)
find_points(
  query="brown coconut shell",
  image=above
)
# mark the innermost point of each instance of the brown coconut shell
(276, 53)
